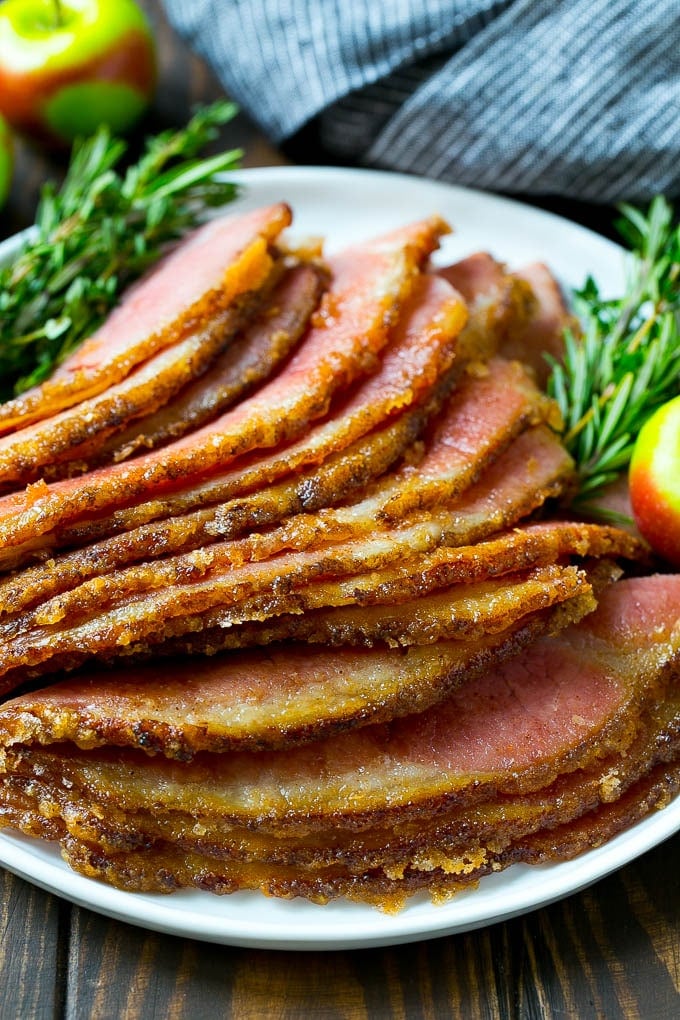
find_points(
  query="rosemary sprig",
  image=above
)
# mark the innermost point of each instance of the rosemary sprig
(626, 363)
(99, 232)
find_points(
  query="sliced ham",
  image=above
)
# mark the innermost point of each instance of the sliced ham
(250, 359)
(335, 479)
(567, 726)
(290, 694)
(500, 304)
(467, 611)
(524, 830)
(463, 441)
(39, 450)
(417, 356)
(369, 285)
(535, 468)
(414, 370)
(323, 644)
(140, 602)
(524, 310)
(543, 332)
(520, 548)
(491, 825)
(483, 415)
(164, 869)
(229, 257)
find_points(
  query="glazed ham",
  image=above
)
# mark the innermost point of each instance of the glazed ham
(328, 627)
(229, 256)
(137, 603)
(501, 304)
(47, 443)
(478, 422)
(335, 479)
(423, 802)
(351, 328)
(274, 322)
(292, 694)
(250, 359)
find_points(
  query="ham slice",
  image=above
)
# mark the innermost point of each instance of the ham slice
(369, 285)
(140, 602)
(413, 371)
(521, 548)
(569, 725)
(229, 257)
(335, 479)
(45, 445)
(484, 413)
(543, 333)
(524, 310)
(420, 350)
(250, 359)
(500, 303)
(292, 694)
(530, 829)
(465, 611)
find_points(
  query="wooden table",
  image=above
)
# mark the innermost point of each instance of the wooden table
(611, 951)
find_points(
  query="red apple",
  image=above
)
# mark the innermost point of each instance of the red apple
(655, 481)
(67, 66)
(6, 161)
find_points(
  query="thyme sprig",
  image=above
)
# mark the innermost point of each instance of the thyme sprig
(626, 362)
(100, 231)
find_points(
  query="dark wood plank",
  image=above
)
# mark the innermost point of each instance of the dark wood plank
(611, 952)
(32, 926)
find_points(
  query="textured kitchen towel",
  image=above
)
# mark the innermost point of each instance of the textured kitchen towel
(568, 97)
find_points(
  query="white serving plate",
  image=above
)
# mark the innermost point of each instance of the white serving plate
(345, 206)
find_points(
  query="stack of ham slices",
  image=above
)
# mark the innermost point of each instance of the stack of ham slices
(292, 528)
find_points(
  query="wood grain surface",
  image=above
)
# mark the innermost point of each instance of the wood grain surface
(611, 951)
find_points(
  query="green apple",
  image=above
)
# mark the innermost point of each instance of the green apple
(6, 161)
(67, 66)
(654, 481)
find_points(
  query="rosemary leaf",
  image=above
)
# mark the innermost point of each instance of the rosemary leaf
(98, 233)
(626, 363)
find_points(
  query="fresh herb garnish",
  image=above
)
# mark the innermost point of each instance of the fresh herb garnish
(627, 361)
(99, 232)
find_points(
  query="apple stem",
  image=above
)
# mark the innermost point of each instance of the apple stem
(58, 14)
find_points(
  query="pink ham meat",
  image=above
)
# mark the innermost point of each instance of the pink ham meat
(482, 416)
(143, 602)
(280, 314)
(521, 548)
(228, 256)
(42, 445)
(250, 359)
(413, 370)
(290, 694)
(490, 290)
(352, 326)
(580, 709)
(336, 478)
(500, 304)
(543, 333)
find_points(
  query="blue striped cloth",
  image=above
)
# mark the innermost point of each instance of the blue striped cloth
(577, 98)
